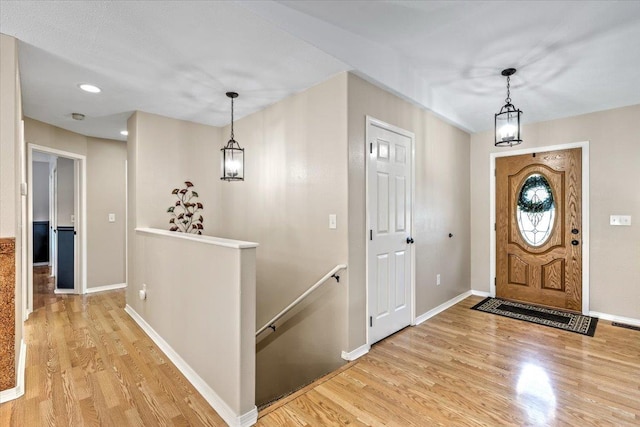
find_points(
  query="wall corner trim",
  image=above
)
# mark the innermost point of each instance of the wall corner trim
(350, 356)
(105, 288)
(442, 307)
(18, 390)
(220, 406)
(614, 318)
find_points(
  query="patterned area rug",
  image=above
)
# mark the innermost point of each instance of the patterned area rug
(571, 322)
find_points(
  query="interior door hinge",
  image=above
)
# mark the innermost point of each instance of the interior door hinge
(495, 227)
(370, 234)
(371, 148)
(370, 321)
(495, 282)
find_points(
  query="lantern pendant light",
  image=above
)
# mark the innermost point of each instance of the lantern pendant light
(232, 165)
(507, 121)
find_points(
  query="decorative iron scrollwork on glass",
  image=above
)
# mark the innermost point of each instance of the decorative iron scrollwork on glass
(535, 210)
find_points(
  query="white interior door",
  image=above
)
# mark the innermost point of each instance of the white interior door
(389, 207)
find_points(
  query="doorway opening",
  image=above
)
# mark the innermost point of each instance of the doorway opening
(56, 224)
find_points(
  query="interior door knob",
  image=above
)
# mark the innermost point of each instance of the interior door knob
(409, 240)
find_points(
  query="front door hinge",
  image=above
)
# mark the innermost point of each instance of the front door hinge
(370, 234)
(371, 148)
(495, 282)
(370, 321)
(495, 227)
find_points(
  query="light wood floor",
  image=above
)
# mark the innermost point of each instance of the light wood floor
(89, 364)
(43, 286)
(467, 368)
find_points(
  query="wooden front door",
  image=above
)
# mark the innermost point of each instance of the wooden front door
(538, 228)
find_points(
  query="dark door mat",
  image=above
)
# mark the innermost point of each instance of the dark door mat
(571, 322)
(624, 325)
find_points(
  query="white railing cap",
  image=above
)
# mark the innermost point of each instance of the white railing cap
(209, 240)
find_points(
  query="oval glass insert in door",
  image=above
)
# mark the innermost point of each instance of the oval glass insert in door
(535, 210)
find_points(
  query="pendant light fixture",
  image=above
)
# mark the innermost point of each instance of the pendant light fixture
(507, 124)
(232, 155)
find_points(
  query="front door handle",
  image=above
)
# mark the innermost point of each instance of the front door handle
(574, 242)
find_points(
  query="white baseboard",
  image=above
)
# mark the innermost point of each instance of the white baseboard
(442, 307)
(220, 406)
(105, 288)
(355, 354)
(614, 318)
(64, 291)
(480, 293)
(18, 390)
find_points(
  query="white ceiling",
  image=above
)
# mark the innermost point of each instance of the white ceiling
(179, 58)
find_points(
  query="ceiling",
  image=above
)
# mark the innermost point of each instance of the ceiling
(178, 58)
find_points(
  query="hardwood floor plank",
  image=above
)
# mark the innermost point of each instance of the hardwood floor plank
(467, 368)
(89, 364)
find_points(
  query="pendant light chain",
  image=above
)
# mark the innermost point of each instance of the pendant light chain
(507, 100)
(232, 119)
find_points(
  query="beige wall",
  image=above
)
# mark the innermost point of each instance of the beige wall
(204, 310)
(169, 152)
(106, 193)
(441, 204)
(614, 150)
(39, 133)
(9, 136)
(11, 172)
(106, 179)
(201, 297)
(296, 175)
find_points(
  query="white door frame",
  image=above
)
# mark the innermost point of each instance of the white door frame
(53, 211)
(373, 121)
(80, 196)
(585, 211)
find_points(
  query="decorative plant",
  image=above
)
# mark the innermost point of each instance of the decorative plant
(185, 214)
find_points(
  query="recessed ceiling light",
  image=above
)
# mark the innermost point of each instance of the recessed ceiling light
(124, 132)
(90, 88)
(77, 116)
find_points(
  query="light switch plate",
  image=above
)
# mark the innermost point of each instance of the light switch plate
(620, 220)
(333, 221)
(112, 217)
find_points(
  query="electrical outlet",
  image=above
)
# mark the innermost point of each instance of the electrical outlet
(143, 292)
(620, 220)
(438, 280)
(112, 217)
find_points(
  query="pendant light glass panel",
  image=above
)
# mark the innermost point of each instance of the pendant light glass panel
(232, 162)
(508, 126)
